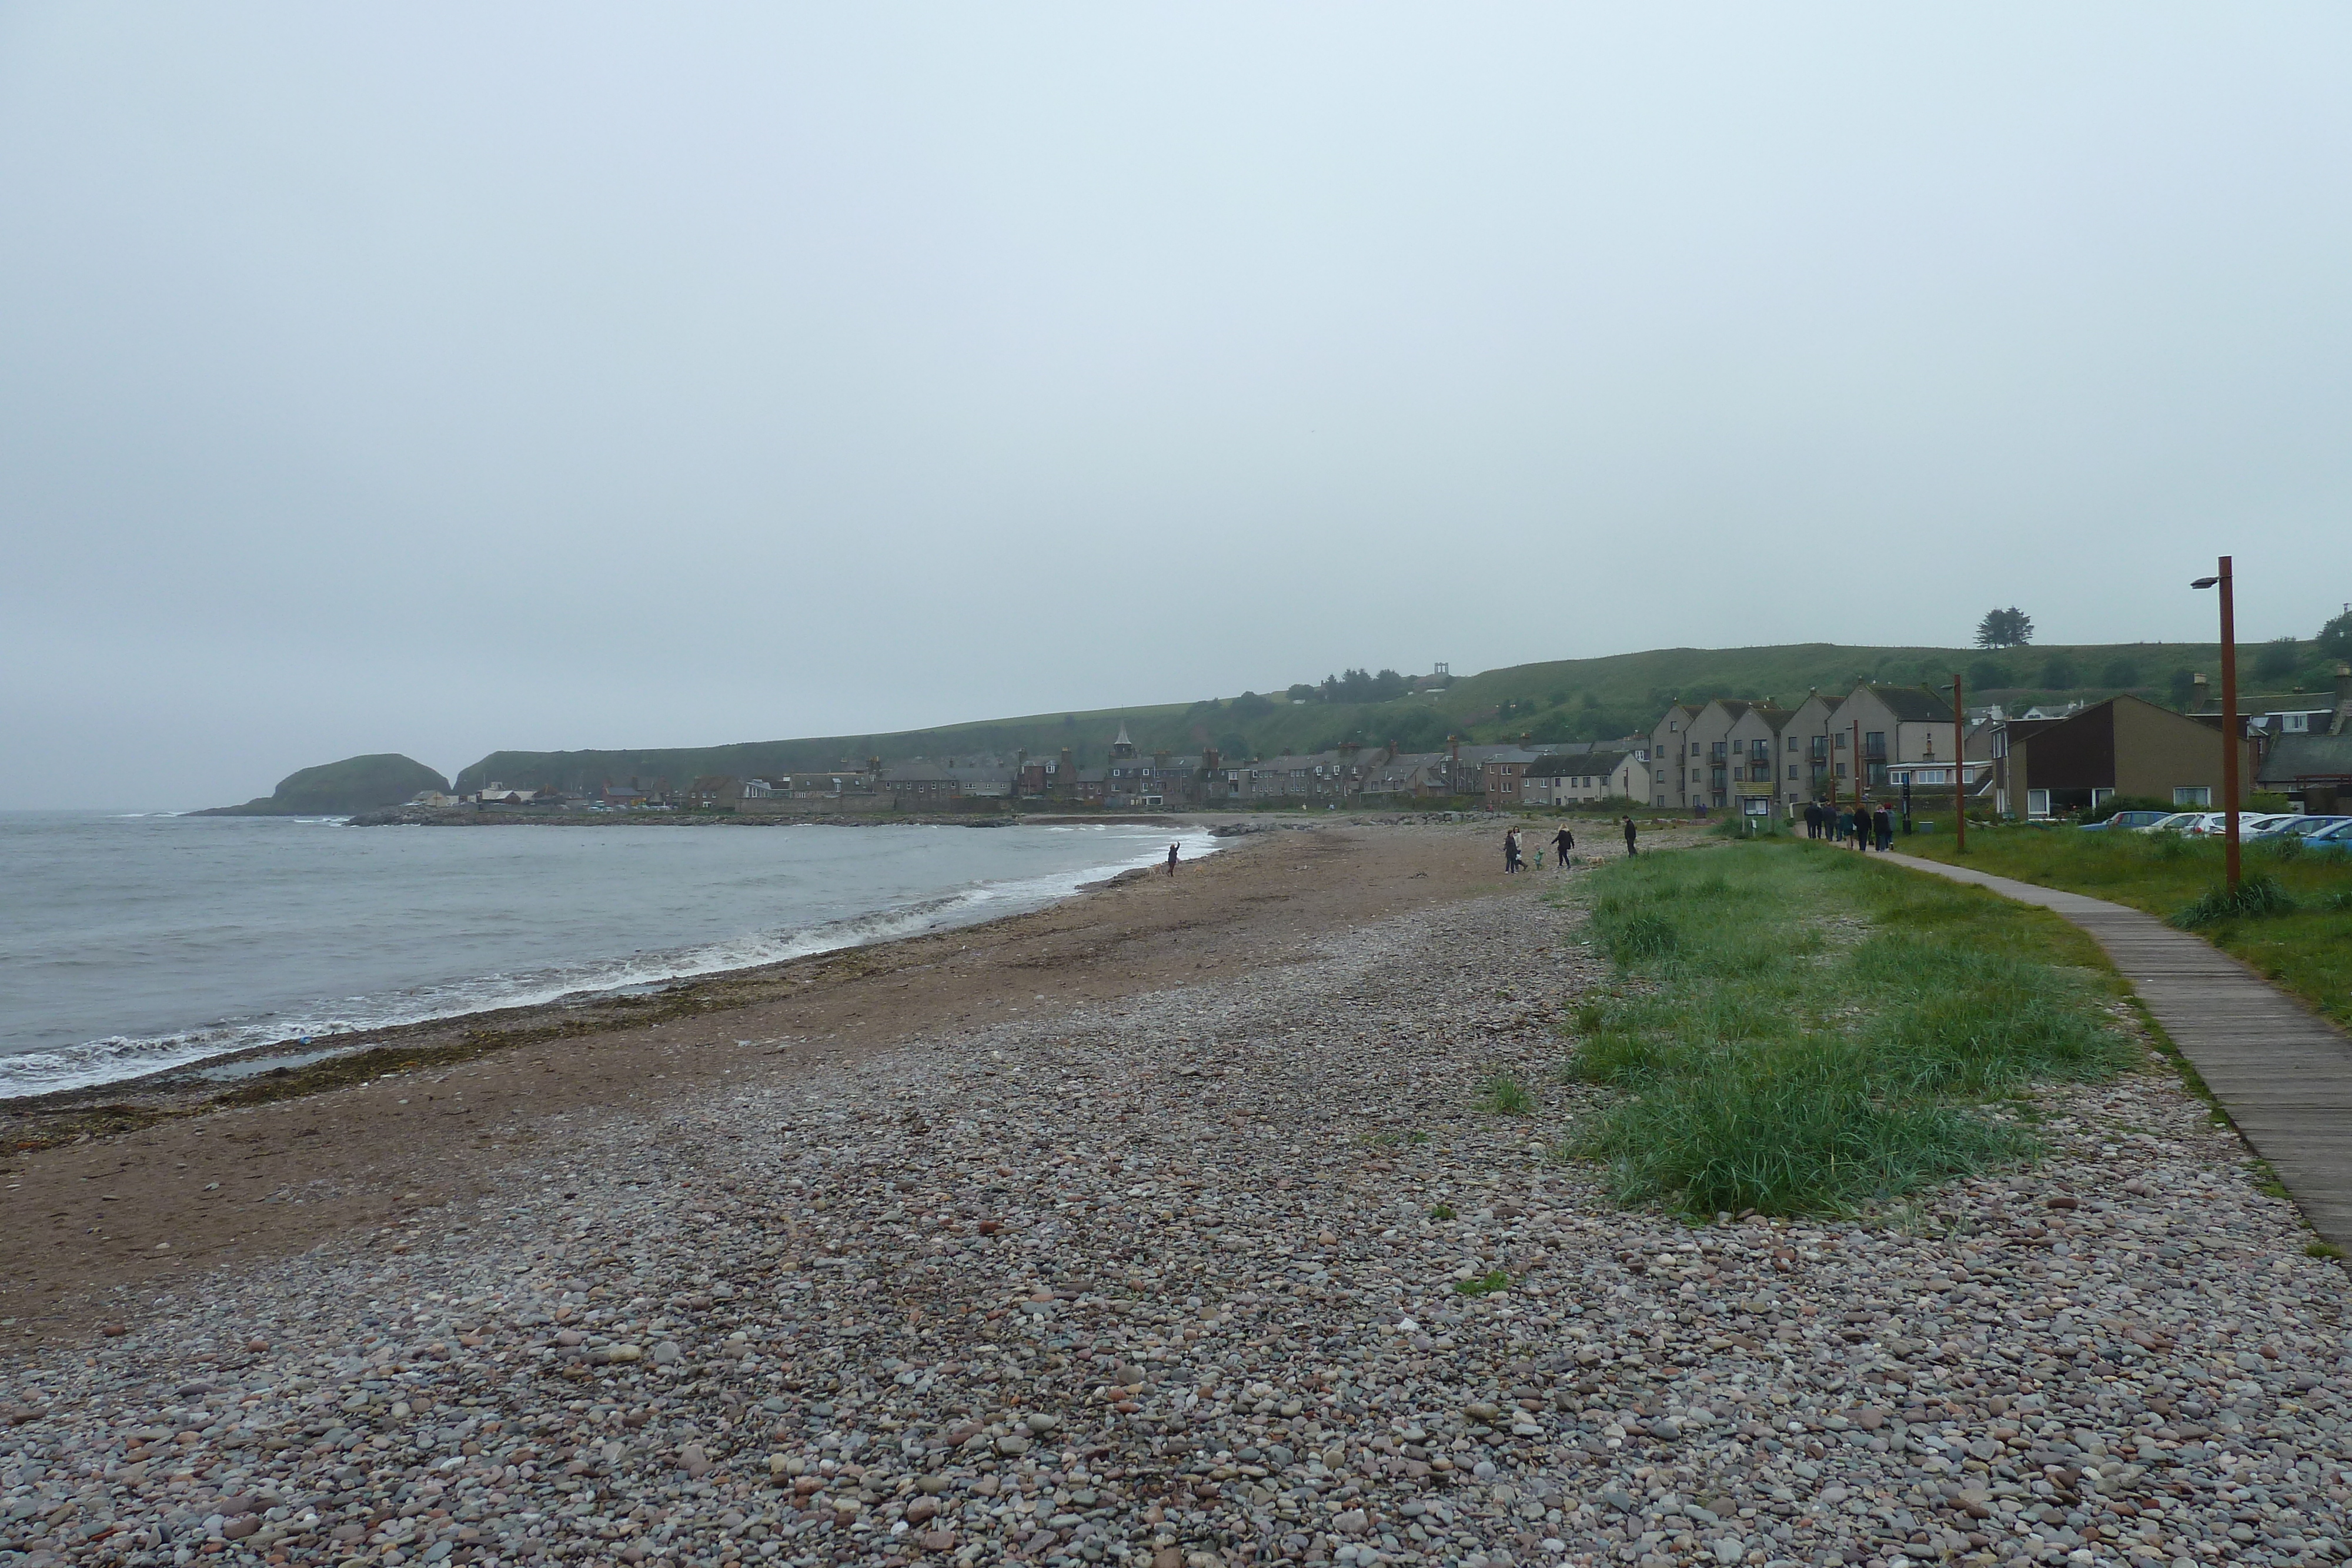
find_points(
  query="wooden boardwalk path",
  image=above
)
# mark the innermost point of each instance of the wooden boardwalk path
(2282, 1072)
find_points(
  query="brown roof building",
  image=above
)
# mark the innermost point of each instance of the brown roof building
(2123, 746)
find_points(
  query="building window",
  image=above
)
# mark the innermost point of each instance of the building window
(2184, 796)
(2037, 802)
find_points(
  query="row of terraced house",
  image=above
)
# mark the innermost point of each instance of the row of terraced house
(1896, 743)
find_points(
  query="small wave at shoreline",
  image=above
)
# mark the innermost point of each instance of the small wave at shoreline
(119, 1058)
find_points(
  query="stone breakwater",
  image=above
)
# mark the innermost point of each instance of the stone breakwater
(1237, 1273)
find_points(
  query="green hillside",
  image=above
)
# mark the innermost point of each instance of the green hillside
(1563, 700)
(338, 788)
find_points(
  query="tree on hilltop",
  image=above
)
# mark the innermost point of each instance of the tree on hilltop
(2335, 639)
(2009, 628)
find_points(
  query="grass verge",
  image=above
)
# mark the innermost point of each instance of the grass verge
(1807, 1031)
(2294, 929)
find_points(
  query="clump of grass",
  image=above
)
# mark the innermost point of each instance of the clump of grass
(2323, 1249)
(1484, 1284)
(1758, 1076)
(2253, 898)
(2267, 1183)
(1441, 1211)
(1632, 935)
(1502, 1095)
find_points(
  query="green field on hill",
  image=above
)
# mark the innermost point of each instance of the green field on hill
(1559, 700)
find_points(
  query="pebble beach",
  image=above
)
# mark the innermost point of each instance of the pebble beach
(1240, 1271)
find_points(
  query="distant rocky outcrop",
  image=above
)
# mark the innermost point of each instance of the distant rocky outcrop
(339, 789)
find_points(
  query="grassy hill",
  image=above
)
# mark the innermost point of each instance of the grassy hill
(338, 788)
(1560, 700)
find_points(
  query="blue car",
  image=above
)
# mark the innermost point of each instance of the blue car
(2127, 819)
(2300, 827)
(2336, 840)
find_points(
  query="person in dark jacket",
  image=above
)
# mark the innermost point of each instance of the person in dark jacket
(1812, 819)
(1511, 852)
(1885, 829)
(1629, 836)
(1561, 842)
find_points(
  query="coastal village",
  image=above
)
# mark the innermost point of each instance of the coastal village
(1901, 746)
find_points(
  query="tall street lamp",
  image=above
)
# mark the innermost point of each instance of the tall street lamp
(2229, 720)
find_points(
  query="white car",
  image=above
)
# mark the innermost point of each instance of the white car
(2214, 824)
(2178, 822)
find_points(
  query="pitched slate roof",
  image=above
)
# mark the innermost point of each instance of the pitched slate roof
(1600, 764)
(2294, 757)
(1913, 703)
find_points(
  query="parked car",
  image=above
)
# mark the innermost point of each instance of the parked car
(2301, 827)
(2336, 840)
(2213, 824)
(2127, 819)
(2178, 822)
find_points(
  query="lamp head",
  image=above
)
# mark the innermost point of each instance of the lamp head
(2205, 582)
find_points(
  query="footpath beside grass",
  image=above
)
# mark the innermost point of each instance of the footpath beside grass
(2307, 949)
(1802, 1029)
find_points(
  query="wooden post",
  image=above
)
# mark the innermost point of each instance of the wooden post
(1959, 770)
(2229, 728)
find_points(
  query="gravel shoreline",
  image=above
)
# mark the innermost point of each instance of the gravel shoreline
(1174, 1281)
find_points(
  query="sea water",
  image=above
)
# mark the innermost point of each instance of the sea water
(131, 944)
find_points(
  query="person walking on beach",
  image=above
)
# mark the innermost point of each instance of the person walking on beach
(1171, 860)
(1628, 838)
(1511, 852)
(1561, 842)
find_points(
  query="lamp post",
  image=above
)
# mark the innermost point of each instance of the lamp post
(1959, 770)
(2229, 721)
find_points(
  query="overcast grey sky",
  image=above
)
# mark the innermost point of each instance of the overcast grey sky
(435, 379)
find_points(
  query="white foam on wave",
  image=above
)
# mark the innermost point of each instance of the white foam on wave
(119, 1057)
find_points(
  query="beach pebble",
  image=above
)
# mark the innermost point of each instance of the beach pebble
(1173, 1280)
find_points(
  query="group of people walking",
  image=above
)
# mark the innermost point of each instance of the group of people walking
(1563, 842)
(1857, 825)
(1515, 858)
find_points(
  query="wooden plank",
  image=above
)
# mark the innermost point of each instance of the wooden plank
(2282, 1072)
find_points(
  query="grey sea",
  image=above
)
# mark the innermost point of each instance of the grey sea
(131, 944)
